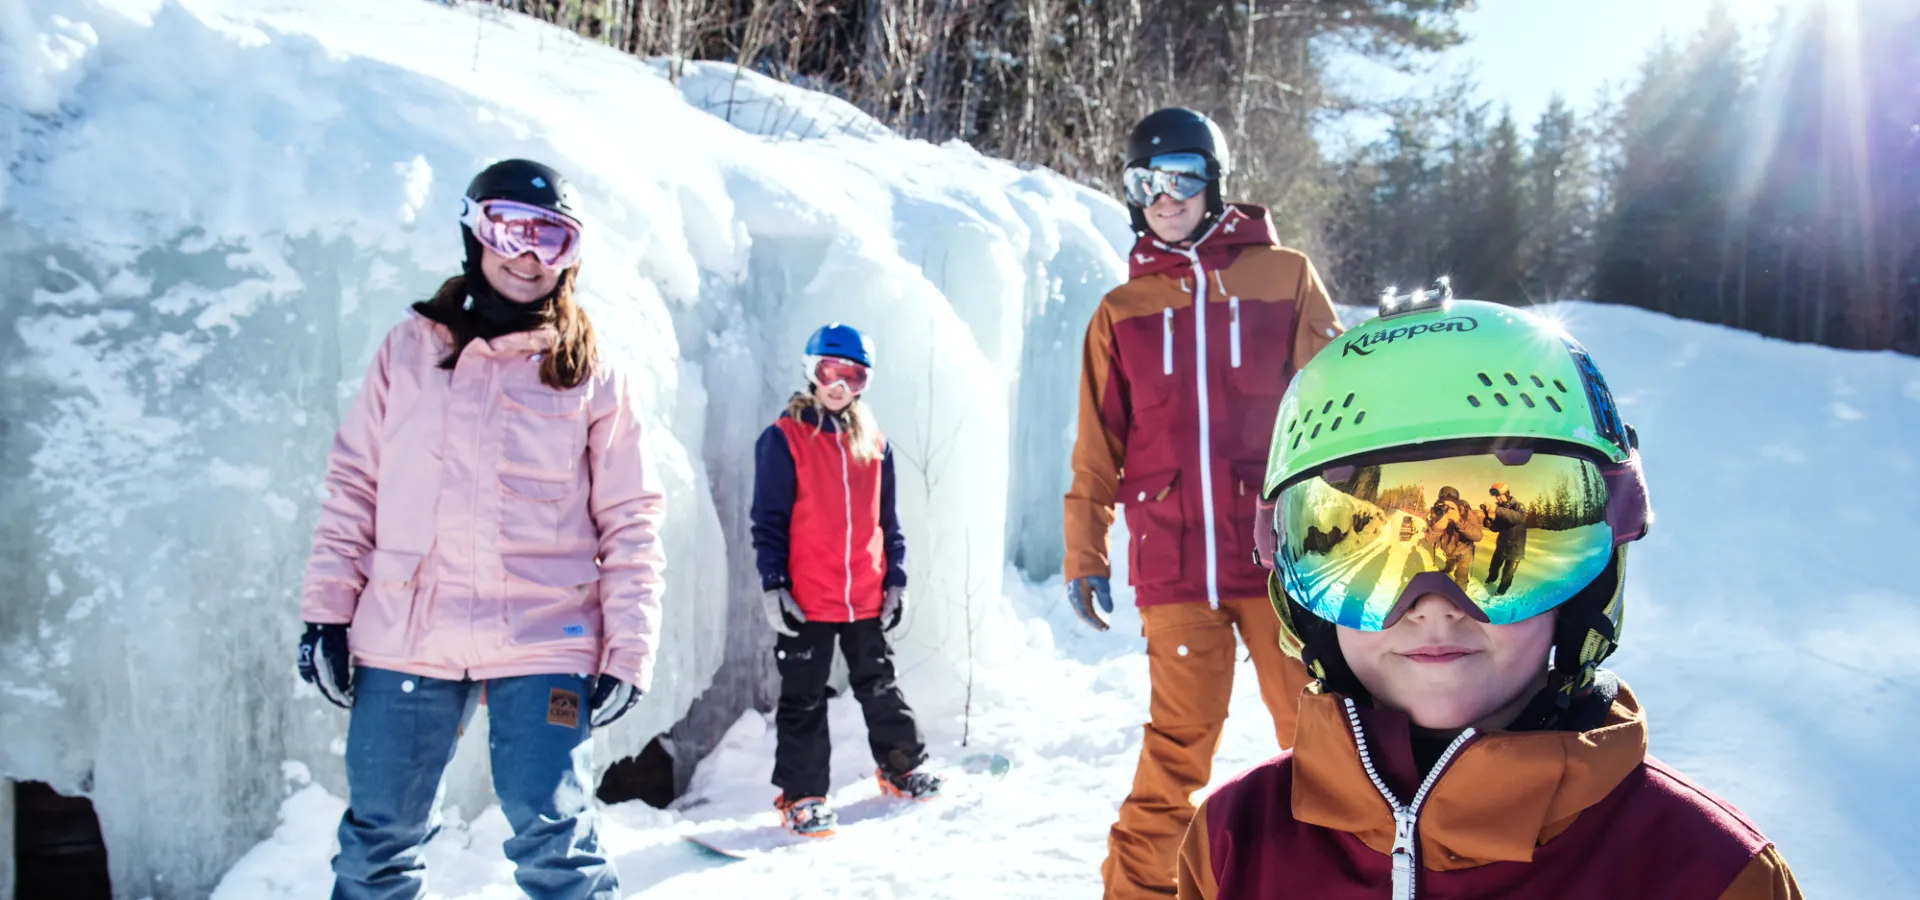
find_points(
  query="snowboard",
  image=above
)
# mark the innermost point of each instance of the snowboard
(747, 843)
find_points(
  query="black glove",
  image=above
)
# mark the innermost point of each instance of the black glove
(326, 663)
(1092, 600)
(611, 700)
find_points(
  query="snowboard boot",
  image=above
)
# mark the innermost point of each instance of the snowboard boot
(807, 817)
(909, 786)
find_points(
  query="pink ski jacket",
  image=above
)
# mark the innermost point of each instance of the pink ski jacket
(480, 524)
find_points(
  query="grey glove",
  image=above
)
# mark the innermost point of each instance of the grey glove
(783, 612)
(892, 607)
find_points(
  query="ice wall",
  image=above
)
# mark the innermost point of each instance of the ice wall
(212, 212)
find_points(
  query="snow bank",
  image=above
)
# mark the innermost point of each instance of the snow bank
(213, 211)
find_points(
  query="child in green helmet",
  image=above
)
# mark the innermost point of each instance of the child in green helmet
(1461, 739)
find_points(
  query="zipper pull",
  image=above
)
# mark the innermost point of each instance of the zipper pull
(1403, 858)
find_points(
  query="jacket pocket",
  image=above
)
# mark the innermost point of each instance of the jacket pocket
(546, 429)
(1156, 527)
(533, 510)
(383, 619)
(552, 599)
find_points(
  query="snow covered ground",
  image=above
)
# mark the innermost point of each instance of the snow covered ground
(212, 210)
(1770, 633)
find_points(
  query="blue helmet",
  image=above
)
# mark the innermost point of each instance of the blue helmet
(843, 341)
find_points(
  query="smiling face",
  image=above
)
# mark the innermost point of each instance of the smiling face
(1446, 670)
(521, 279)
(1173, 221)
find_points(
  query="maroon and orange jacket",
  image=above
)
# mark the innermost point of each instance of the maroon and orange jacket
(1180, 379)
(1550, 814)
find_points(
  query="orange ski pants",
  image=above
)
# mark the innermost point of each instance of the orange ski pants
(1190, 658)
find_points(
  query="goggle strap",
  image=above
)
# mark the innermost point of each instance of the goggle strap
(1629, 513)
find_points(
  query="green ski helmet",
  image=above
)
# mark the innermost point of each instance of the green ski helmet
(1459, 376)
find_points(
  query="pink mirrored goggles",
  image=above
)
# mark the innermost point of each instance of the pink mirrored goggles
(511, 228)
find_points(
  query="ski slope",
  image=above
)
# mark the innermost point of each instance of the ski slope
(212, 209)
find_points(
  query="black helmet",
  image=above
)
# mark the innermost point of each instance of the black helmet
(1177, 129)
(529, 182)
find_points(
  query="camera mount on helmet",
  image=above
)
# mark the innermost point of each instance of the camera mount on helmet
(1393, 303)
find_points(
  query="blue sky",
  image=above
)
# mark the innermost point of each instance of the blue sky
(1523, 51)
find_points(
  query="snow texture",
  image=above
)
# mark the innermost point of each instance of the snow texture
(1768, 635)
(214, 209)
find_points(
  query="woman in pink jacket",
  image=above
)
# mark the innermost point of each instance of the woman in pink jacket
(490, 532)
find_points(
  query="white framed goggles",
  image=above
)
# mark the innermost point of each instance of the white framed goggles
(826, 371)
(511, 228)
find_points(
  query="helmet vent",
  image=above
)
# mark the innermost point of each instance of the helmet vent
(1316, 432)
(1538, 383)
(1473, 401)
(1359, 417)
(1307, 418)
(1327, 408)
(1296, 441)
(1555, 404)
(1562, 387)
(1336, 423)
(1501, 399)
(1292, 425)
(1512, 380)
(1348, 403)
(1485, 380)
(1526, 399)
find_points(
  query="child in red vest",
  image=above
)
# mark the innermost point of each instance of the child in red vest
(833, 565)
(1462, 739)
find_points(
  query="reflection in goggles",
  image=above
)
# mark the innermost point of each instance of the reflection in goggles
(1350, 547)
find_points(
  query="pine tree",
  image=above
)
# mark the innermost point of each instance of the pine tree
(1556, 249)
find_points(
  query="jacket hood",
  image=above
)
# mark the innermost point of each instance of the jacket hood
(1243, 225)
(1501, 796)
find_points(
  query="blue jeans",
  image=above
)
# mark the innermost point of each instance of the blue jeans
(401, 737)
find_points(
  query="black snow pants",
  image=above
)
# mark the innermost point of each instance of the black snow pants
(803, 750)
(1500, 571)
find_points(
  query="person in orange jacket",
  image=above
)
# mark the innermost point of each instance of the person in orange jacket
(1183, 368)
(1458, 742)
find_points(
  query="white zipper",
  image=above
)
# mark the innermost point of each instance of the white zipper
(1166, 341)
(839, 441)
(1406, 833)
(1234, 341)
(1206, 433)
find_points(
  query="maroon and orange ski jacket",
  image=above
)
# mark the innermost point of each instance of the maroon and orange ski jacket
(1181, 376)
(1561, 814)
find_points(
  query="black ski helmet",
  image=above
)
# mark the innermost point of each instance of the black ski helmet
(529, 182)
(1177, 129)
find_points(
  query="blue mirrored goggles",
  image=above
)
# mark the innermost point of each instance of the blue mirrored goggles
(1181, 176)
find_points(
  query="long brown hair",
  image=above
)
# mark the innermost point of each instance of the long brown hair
(863, 433)
(575, 349)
